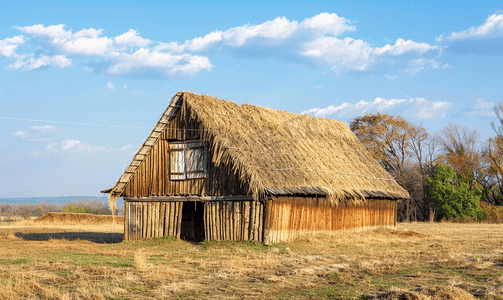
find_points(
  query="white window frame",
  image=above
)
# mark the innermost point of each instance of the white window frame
(182, 165)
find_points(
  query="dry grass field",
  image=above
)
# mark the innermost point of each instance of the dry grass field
(417, 261)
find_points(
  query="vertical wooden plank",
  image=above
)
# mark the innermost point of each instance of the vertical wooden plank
(261, 223)
(162, 218)
(158, 219)
(134, 218)
(252, 218)
(175, 218)
(228, 224)
(216, 223)
(395, 214)
(267, 222)
(147, 223)
(171, 219)
(150, 220)
(235, 220)
(230, 216)
(257, 221)
(166, 218)
(167, 211)
(144, 220)
(154, 219)
(218, 220)
(237, 206)
(133, 228)
(242, 220)
(179, 223)
(223, 219)
(207, 222)
(139, 220)
(246, 230)
(211, 208)
(126, 222)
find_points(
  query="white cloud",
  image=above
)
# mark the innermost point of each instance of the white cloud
(279, 28)
(71, 146)
(481, 109)
(8, 46)
(125, 87)
(479, 104)
(36, 133)
(345, 54)
(76, 146)
(313, 41)
(40, 62)
(402, 46)
(165, 64)
(110, 85)
(328, 23)
(131, 39)
(491, 28)
(431, 110)
(317, 87)
(99, 46)
(420, 108)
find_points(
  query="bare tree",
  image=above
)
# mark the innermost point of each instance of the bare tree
(7, 211)
(424, 151)
(25, 210)
(405, 151)
(492, 179)
(460, 149)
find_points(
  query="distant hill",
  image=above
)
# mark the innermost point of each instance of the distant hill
(36, 200)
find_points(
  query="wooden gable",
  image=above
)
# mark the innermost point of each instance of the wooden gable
(152, 177)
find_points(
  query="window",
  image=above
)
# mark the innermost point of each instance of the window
(187, 160)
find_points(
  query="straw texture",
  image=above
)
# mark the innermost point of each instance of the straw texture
(283, 153)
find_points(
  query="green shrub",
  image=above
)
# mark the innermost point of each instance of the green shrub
(73, 208)
(454, 195)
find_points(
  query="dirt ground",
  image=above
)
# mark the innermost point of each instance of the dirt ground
(416, 261)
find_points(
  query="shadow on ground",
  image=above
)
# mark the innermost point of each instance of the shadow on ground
(96, 237)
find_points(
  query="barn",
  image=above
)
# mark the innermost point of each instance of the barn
(215, 170)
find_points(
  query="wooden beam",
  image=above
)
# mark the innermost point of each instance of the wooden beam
(188, 198)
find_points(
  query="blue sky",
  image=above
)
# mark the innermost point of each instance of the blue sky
(83, 82)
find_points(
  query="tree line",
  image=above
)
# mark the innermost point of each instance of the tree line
(15, 212)
(452, 173)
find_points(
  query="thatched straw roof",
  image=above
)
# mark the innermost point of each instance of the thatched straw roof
(281, 153)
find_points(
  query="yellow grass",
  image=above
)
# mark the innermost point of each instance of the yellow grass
(417, 261)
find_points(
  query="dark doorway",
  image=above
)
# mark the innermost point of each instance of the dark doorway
(192, 221)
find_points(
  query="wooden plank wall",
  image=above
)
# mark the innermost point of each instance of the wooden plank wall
(146, 220)
(152, 176)
(234, 220)
(292, 217)
(223, 220)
